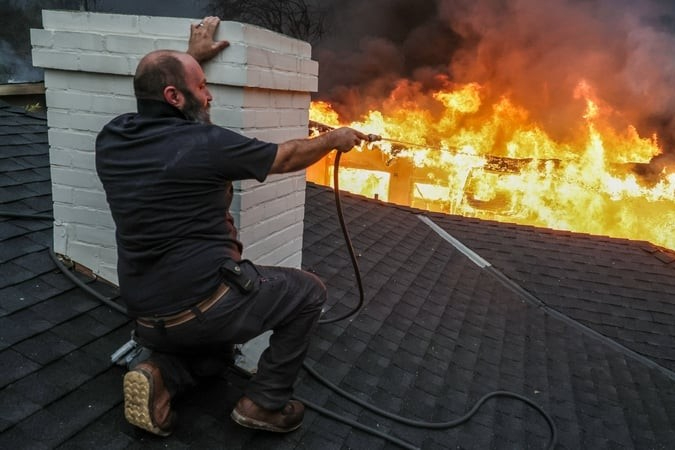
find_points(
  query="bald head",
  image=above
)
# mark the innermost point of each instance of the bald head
(160, 69)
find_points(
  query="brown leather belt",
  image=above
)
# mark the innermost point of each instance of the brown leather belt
(188, 314)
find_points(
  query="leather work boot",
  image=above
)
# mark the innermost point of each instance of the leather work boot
(147, 403)
(284, 420)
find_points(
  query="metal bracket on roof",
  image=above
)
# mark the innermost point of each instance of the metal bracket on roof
(473, 256)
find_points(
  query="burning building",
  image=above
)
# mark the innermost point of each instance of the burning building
(556, 114)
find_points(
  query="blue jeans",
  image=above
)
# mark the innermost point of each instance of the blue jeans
(284, 300)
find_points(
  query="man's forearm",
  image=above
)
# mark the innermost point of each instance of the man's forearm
(298, 154)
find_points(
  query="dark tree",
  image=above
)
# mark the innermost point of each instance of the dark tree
(295, 18)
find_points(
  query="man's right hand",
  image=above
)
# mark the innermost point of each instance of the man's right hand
(298, 154)
(201, 46)
(344, 139)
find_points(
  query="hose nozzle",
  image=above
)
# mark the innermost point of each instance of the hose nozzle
(374, 137)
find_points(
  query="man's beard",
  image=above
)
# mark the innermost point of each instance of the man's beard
(195, 111)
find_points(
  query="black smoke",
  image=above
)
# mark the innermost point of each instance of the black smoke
(535, 51)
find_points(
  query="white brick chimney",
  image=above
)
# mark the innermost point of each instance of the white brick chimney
(261, 86)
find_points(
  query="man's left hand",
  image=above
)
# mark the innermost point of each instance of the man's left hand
(201, 46)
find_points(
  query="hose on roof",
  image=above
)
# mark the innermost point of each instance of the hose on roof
(350, 247)
(397, 418)
(357, 273)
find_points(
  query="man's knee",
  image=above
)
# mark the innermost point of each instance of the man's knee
(317, 290)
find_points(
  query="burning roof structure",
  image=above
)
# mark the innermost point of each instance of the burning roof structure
(555, 114)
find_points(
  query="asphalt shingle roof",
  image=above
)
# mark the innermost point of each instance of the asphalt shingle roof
(582, 325)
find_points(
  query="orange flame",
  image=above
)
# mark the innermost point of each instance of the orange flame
(490, 161)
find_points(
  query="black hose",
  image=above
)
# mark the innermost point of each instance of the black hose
(437, 425)
(414, 423)
(357, 425)
(348, 242)
(106, 300)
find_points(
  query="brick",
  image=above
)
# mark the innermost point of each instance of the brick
(301, 100)
(273, 79)
(237, 53)
(61, 118)
(297, 179)
(302, 48)
(309, 83)
(272, 60)
(57, 79)
(165, 26)
(180, 45)
(227, 96)
(260, 37)
(94, 235)
(116, 85)
(63, 98)
(259, 57)
(57, 118)
(107, 270)
(286, 63)
(270, 210)
(41, 38)
(288, 255)
(277, 135)
(266, 213)
(68, 176)
(108, 253)
(108, 64)
(228, 117)
(260, 98)
(275, 248)
(283, 100)
(226, 73)
(278, 238)
(266, 118)
(55, 59)
(291, 118)
(293, 260)
(114, 105)
(69, 40)
(309, 67)
(62, 194)
(72, 214)
(90, 198)
(60, 236)
(118, 23)
(281, 80)
(231, 31)
(71, 158)
(71, 139)
(265, 192)
(63, 20)
(129, 44)
(262, 229)
(85, 254)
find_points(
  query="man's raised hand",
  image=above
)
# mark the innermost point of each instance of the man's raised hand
(201, 46)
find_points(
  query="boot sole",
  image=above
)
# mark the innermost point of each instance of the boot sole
(260, 425)
(137, 394)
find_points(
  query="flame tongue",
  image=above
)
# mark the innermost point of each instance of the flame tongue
(492, 161)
